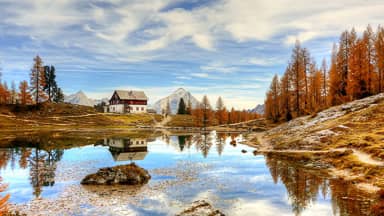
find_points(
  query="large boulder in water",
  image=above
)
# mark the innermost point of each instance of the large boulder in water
(130, 174)
(200, 208)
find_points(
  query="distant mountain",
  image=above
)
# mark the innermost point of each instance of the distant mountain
(174, 100)
(98, 101)
(79, 98)
(259, 109)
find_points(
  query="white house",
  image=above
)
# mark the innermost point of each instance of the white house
(127, 102)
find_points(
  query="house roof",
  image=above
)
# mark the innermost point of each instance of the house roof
(131, 95)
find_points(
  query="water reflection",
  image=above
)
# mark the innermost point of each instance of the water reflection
(42, 168)
(41, 164)
(304, 185)
(124, 149)
(201, 142)
(47, 159)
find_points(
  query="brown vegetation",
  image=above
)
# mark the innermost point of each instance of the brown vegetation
(3, 199)
(66, 116)
(356, 71)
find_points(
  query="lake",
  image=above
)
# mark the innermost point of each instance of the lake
(43, 173)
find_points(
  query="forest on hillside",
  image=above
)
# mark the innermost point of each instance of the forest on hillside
(355, 71)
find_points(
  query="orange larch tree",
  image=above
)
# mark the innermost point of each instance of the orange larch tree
(324, 87)
(221, 111)
(24, 95)
(369, 45)
(356, 70)
(379, 57)
(37, 82)
(3, 199)
(273, 100)
(334, 80)
(315, 85)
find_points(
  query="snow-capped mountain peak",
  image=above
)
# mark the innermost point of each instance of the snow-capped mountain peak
(259, 109)
(79, 98)
(174, 100)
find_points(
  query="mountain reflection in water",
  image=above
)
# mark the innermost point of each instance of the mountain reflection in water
(250, 181)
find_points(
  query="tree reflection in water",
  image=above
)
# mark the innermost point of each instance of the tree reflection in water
(36, 154)
(304, 186)
(42, 168)
(202, 142)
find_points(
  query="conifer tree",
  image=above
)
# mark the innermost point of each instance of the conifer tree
(182, 108)
(220, 111)
(206, 107)
(369, 60)
(272, 101)
(324, 84)
(50, 81)
(37, 82)
(24, 96)
(13, 93)
(334, 79)
(58, 95)
(379, 58)
(167, 109)
(189, 107)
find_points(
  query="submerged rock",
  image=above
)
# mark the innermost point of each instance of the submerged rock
(130, 174)
(200, 208)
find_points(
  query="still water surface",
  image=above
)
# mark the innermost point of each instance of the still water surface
(44, 178)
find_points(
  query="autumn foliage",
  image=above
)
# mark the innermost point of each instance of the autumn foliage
(3, 199)
(356, 70)
(42, 87)
(205, 115)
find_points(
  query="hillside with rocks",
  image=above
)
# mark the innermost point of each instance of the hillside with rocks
(317, 131)
(347, 140)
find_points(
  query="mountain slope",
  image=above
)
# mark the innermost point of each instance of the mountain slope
(174, 100)
(79, 98)
(259, 109)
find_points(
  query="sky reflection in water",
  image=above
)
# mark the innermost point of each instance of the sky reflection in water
(191, 167)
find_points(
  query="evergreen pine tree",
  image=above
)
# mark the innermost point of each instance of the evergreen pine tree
(182, 108)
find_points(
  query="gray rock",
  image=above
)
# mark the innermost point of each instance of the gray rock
(130, 174)
(200, 208)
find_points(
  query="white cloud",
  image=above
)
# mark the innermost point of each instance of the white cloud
(263, 61)
(183, 77)
(223, 37)
(200, 75)
(218, 67)
(204, 26)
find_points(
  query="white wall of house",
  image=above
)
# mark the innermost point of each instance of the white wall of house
(119, 108)
(138, 108)
(116, 108)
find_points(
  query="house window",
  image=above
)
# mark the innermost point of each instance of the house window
(137, 108)
(137, 142)
(142, 108)
(142, 142)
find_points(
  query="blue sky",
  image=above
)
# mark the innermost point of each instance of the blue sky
(228, 48)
